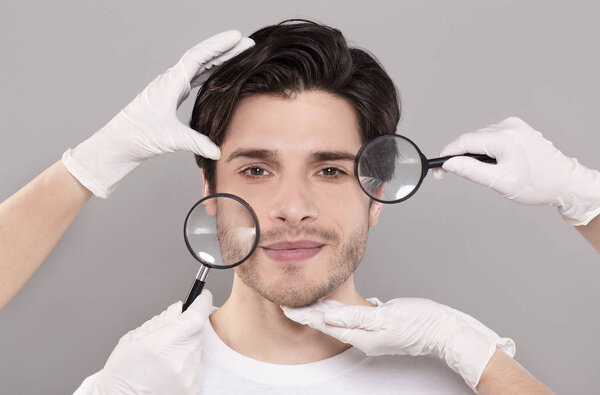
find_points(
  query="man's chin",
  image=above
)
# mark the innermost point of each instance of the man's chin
(292, 288)
(296, 296)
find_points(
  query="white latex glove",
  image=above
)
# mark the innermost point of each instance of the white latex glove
(148, 126)
(408, 326)
(163, 356)
(529, 169)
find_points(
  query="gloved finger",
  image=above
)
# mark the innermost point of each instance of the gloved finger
(206, 71)
(334, 313)
(483, 141)
(314, 316)
(354, 317)
(196, 57)
(319, 307)
(192, 321)
(466, 143)
(187, 139)
(310, 315)
(472, 169)
(333, 303)
(438, 173)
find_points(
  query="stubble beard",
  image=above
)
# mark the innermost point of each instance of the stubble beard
(294, 293)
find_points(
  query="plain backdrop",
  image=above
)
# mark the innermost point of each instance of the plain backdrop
(68, 67)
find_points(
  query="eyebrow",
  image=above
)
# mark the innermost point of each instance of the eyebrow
(266, 154)
(253, 153)
(322, 156)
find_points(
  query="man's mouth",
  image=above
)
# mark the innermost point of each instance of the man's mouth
(287, 251)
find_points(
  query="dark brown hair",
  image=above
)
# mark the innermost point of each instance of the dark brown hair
(293, 56)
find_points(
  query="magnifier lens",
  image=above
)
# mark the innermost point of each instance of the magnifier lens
(221, 231)
(389, 168)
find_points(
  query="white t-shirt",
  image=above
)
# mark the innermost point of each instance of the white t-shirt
(226, 371)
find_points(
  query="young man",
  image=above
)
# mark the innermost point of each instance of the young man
(289, 114)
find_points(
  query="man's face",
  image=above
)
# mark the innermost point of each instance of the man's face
(292, 160)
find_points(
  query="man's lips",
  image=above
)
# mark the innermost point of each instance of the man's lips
(293, 245)
(292, 250)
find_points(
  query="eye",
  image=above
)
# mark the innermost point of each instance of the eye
(255, 172)
(331, 172)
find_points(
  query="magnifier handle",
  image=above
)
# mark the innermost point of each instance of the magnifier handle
(197, 287)
(194, 292)
(438, 162)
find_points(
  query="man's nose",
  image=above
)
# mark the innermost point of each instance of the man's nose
(292, 203)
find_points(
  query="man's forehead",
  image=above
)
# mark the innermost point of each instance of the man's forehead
(312, 121)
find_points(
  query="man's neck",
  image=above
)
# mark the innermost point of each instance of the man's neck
(257, 328)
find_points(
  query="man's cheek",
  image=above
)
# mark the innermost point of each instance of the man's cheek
(255, 197)
(346, 209)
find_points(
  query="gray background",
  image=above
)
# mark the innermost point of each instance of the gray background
(68, 67)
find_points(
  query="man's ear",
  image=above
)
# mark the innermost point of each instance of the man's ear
(374, 212)
(205, 187)
(210, 204)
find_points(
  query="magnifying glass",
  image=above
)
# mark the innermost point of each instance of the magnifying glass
(390, 168)
(221, 231)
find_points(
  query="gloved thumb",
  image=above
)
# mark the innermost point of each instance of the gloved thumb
(438, 173)
(192, 321)
(472, 169)
(186, 139)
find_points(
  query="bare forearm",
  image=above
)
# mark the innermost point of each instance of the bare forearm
(591, 232)
(32, 221)
(504, 375)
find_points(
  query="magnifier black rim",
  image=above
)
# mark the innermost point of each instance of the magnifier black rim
(246, 205)
(424, 167)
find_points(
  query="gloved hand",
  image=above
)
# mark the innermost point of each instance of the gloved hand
(163, 356)
(148, 126)
(529, 169)
(408, 326)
